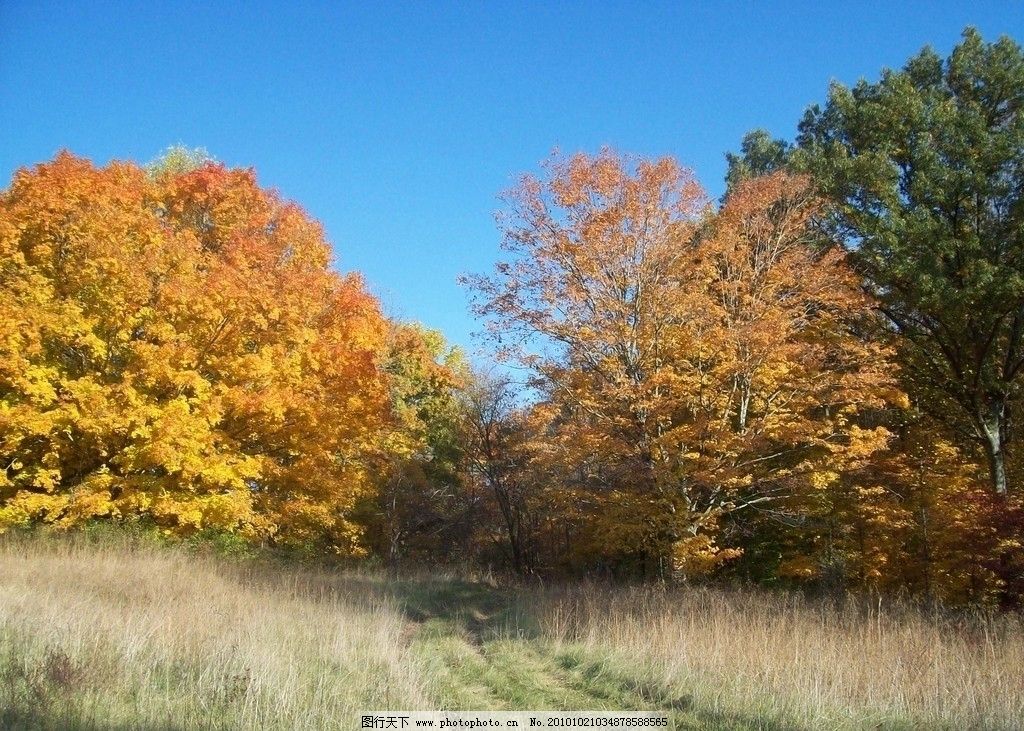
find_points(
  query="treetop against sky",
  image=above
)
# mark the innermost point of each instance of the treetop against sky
(397, 126)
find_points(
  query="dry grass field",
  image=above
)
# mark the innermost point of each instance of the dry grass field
(117, 635)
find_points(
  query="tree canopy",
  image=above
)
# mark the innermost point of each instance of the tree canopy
(176, 346)
(697, 362)
(925, 167)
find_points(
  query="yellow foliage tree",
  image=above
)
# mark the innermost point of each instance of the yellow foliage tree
(175, 346)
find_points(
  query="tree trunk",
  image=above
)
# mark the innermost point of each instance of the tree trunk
(992, 429)
(512, 524)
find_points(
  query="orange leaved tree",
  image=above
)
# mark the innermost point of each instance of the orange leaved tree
(695, 362)
(175, 346)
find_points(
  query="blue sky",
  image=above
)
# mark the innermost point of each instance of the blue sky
(397, 124)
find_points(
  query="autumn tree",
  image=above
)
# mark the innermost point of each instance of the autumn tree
(179, 159)
(914, 517)
(701, 363)
(421, 509)
(176, 347)
(926, 169)
(923, 520)
(495, 435)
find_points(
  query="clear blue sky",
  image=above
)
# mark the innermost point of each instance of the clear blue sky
(396, 124)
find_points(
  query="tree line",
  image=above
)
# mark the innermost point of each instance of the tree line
(811, 382)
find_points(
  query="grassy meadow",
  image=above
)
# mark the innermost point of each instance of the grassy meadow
(118, 634)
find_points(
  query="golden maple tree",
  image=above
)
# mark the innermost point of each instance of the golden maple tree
(176, 346)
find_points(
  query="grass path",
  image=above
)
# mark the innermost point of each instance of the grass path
(481, 650)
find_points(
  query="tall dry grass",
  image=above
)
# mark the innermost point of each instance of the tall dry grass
(126, 635)
(801, 662)
(136, 637)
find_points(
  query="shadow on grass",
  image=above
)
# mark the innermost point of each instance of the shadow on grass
(40, 719)
(480, 611)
